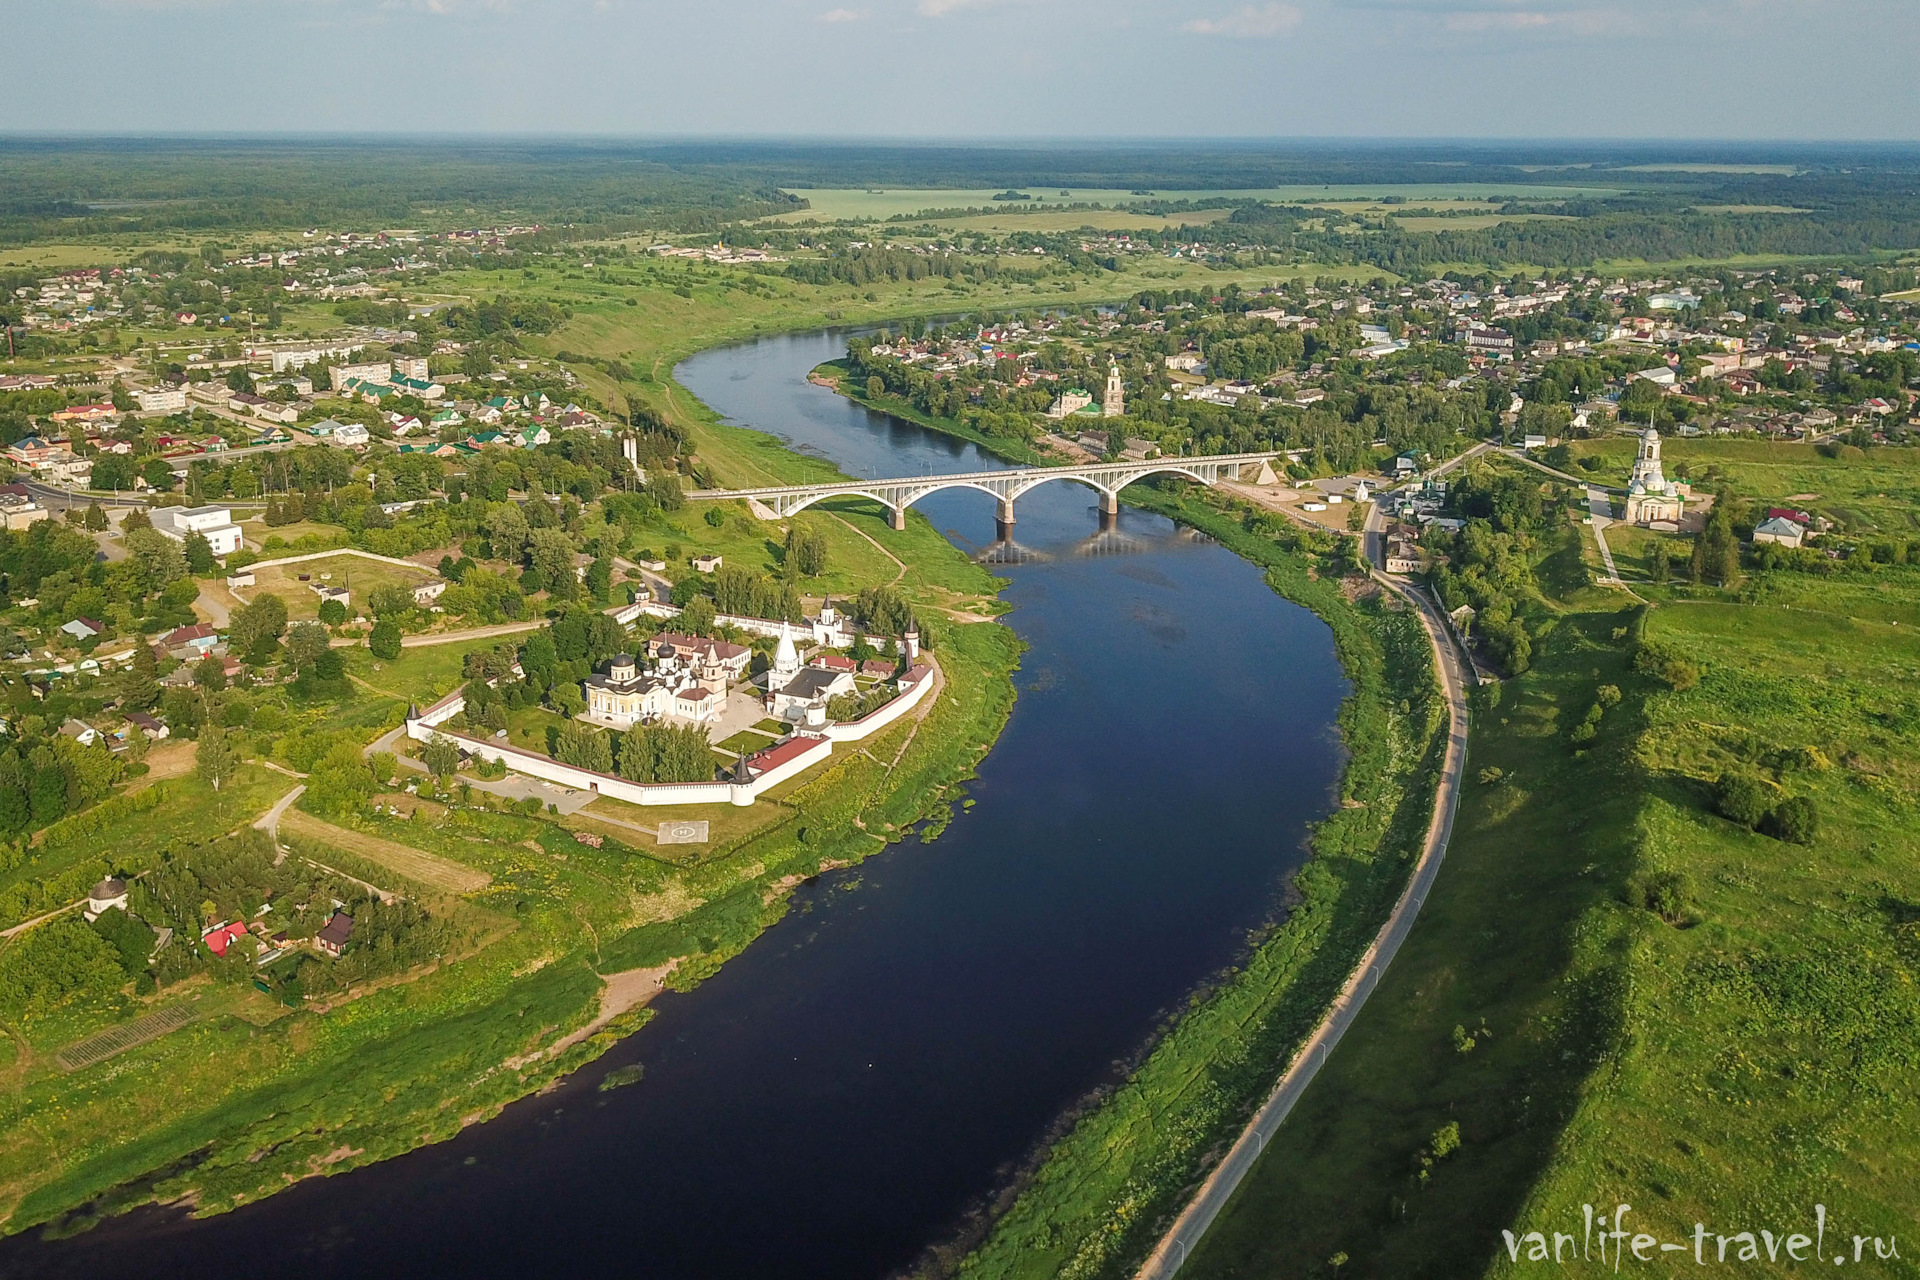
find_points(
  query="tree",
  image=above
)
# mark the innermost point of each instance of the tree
(551, 552)
(216, 760)
(806, 551)
(14, 809)
(698, 616)
(158, 473)
(333, 613)
(1795, 820)
(254, 629)
(160, 558)
(1659, 561)
(199, 556)
(389, 599)
(142, 688)
(306, 641)
(1741, 799)
(48, 797)
(96, 519)
(507, 530)
(210, 673)
(384, 642)
(441, 755)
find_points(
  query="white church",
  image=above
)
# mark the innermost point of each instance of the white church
(1651, 497)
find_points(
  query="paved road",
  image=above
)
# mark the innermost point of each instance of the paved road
(1220, 1185)
(1600, 513)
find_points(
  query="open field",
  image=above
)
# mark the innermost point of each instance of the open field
(359, 576)
(425, 868)
(830, 204)
(1876, 491)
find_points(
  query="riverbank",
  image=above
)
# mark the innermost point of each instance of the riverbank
(1094, 1204)
(837, 375)
(256, 1097)
(1736, 1047)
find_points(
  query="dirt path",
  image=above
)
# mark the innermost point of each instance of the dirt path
(877, 547)
(269, 821)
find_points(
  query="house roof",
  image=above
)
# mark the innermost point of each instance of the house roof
(183, 635)
(337, 930)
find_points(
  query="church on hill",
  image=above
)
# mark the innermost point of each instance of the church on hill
(1651, 497)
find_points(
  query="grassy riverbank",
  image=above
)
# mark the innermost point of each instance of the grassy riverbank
(1096, 1202)
(1018, 451)
(251, 1095)
(1665, 1009)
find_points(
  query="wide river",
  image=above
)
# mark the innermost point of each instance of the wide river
(857, 1083)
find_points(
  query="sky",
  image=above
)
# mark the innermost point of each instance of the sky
(1733, 69)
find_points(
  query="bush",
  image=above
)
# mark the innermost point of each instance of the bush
(333, 613)
(384, 642)
(1741, 799)
(1665, 893)
(1795, 820)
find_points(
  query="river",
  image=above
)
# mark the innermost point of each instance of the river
(844, 1093)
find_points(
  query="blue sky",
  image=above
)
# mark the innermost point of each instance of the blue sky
(1812, 69)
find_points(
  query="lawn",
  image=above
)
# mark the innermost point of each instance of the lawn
(1731, 1063)
(357, 574)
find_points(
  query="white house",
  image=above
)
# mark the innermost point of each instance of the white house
(348, 433)
(215, 524)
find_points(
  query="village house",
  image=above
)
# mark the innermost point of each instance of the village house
(334, 935)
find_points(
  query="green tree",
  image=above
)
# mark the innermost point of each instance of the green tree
(199, 556)
(306, 641)
(210, 673)
(48, 797)
(215, 761)
(806, 551)
(15, 811)
(333, 613)
(698, 616)
(96, 519)
(254, 629)
(1795, 820)
(384, 642)
(160, 559)
(142, 688)
(1741, 799)
(389, 599)
(441, 755)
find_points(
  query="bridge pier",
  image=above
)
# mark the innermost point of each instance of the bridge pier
(897, 517)
(1003, 516)
(1109, 504)
(1109, 521)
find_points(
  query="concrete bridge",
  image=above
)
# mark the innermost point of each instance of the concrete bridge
(1107, 478)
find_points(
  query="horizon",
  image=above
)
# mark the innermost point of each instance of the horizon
(1747, 70)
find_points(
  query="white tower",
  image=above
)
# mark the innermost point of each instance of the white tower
(786, 659)
(1114, 402)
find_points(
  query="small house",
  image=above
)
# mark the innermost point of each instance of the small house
(82, 629)
(334, 934)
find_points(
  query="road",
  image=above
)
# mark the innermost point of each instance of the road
(1220, 1185)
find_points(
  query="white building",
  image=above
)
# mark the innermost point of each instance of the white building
(350, 433)
(165, 400)
(301, 357)
(378, 371)
(215, 524)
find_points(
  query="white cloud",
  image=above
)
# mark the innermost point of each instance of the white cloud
(840, 15)
(1249, 20)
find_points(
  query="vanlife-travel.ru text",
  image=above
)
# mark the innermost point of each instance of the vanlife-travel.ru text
(1607, 1239)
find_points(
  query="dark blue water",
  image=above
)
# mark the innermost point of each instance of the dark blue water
(845, 1092)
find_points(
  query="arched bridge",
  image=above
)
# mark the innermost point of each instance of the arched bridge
(1108, 478)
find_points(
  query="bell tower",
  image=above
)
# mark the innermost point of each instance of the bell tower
(1114, 402)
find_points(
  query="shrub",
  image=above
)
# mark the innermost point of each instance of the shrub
(1665, 893)
(1795, 820)
(1445, 1140)
(333, 613)
(1741, 799)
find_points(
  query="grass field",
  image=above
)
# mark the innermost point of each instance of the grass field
(1732, 1062)
(426, 868)
(1875, 491)
(358, 575)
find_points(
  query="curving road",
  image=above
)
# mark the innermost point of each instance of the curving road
(1220, 1185)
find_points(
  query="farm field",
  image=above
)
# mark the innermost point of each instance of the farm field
(830, 204)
